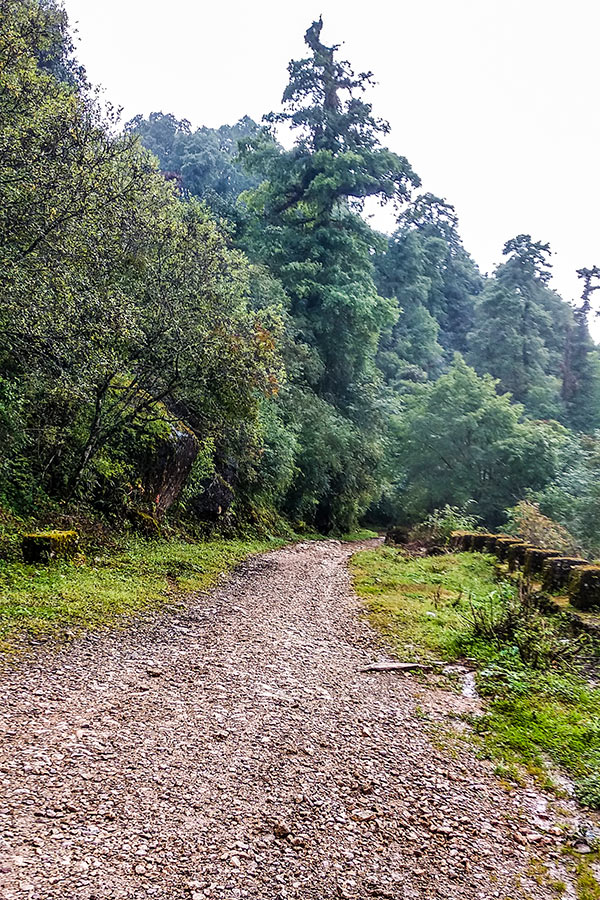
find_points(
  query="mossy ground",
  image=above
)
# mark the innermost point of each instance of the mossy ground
(420, 603)
(583, 869)
(115, 583)
(534, 715)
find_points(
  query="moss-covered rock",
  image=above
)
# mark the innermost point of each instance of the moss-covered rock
(534, 560)
(477, 542)
(557, 570)
(583, 587)
(502, 545)
(462, 540)
(145, 523)
(455, 539)
(216, 495)
(515, 555)
(46, 545)
(491, 541)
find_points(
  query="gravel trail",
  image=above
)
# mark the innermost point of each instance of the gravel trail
(232, 748)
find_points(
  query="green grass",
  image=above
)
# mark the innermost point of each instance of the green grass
(420, 603)
(535, 712)
(361, 534)
(60, 598)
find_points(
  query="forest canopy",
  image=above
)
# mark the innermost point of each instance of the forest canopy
(201, 324)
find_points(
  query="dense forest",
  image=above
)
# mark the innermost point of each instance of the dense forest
(201, 326)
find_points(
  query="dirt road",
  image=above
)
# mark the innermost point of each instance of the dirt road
(233, 749)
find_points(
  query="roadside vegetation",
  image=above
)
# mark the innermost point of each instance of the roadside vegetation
(537, 677)
(110, 584)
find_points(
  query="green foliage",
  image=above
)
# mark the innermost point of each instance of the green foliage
(458, 440)
(420, 603)
(307, 229)
(120, 302)
(212, 281)
(303, 226)
(525, 637)
(202, 163)
(520, 328)
(573, 497)
(588, 790)
(426, 269)
(336, 465)
(439, 524)
(527, 522)
(112, 584)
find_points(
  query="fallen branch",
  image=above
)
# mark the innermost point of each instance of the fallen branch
(396, 667)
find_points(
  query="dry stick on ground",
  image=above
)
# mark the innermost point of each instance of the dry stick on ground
(397, 667)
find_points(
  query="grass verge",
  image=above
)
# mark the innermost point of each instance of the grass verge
(361, 534)
(61, 598)
(542, 703)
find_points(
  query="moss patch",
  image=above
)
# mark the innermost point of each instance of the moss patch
(582, 867)
(47, 545)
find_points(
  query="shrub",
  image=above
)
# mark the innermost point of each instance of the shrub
(439, 525)
(510, 620)
(526, 520)
(587, 790)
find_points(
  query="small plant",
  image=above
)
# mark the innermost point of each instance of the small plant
(511, 621)
(587, 790)
(439, 525)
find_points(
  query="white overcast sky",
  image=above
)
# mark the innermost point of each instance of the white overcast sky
(494, 102)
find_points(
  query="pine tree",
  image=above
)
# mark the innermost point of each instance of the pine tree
(304, 225)
(454, 278)
(519, 330)
(581, 364)
(308, 229)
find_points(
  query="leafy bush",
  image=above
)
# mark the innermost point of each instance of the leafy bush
(587, 790)
(511, 621)
(526, 521)
(439, 525)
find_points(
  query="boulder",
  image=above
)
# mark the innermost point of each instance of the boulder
(557, 570)
(43, 546)
(145, 523)
(584, 587)
(215, 498)
(170, 467)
